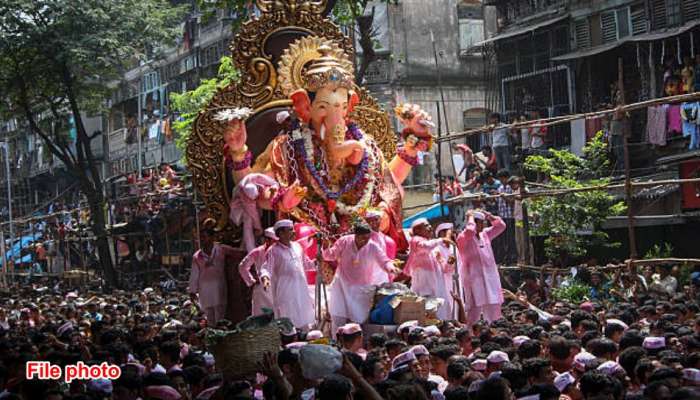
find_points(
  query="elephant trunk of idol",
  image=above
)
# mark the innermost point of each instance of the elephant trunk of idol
(339, 149)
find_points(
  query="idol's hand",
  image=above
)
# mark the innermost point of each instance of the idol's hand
(235, 137)
(416, 119)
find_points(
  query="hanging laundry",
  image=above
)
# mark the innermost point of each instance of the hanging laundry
(578, 136)
(167, 129)
(153, 130)
(689, 114)
(673, 119)
(656, 125)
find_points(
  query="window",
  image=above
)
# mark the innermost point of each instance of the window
(667, 13)
(673, 12)
(615, 24)
(582, 33)
(188, 63)
(471, 31)
(638, 18)
(150, 82)
(691, 10)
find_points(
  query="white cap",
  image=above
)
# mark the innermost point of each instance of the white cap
(419, 350)
(284, 223)
(270, 233)
(419, 222)
(610, 367)
(691, 374)
(479, 215)
(654, 343)
(617, 322)
(403, 359)
(582, 359)
(564, 380)
(497, 356)
(479, 365)
(443, 226)
(314, 335)
(432, 330)
(282, 116)
(407, 324)
(518, 340)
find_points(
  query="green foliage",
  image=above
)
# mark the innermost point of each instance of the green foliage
(574, 293)
(564, 219)
(189, 104)
(658, 251)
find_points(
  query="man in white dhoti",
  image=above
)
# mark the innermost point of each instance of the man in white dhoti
(208, 276)
(358, 260)
(286, 263)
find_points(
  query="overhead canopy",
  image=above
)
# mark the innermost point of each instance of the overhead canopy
(592, 51)
(666, 33)
(522, 30)
(647, 37)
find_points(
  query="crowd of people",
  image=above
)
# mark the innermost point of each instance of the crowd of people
(612, 344)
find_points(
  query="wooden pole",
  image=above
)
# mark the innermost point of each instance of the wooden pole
(439, 162)
(628, 178)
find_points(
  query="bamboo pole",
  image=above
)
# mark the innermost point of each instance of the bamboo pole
(572, 117)
(658, 261)
(556, 192)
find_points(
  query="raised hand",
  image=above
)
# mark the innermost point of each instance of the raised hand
(235, 136)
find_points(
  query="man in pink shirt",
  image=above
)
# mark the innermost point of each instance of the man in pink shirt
(386, 243)
(480, 278)
(286, 263)
(427, 276)
(261, 292)
(357, 259)
(208, 276)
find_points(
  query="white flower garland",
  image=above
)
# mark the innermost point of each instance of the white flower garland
(231, 114)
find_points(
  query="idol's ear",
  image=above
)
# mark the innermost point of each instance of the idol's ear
(302, 104)
(353, 100)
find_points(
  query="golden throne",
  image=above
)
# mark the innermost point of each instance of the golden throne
(256, 52)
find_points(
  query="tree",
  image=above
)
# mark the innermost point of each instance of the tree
(572, 222)
(348, 13)
(59, 61)
(190, 103)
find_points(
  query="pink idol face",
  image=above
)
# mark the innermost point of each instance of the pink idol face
(329, 108)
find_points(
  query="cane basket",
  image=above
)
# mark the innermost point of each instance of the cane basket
(238, 353)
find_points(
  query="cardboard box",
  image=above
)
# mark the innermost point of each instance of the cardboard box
(409, 309)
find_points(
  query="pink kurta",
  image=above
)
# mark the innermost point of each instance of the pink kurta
(480, 278)
(208, 276)
(290, 292)
(380, 275)
(427, 277)
(351, 294)
(261, 297)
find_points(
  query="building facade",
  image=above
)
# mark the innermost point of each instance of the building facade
(409, 37)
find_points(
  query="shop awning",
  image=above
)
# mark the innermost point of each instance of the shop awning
(592, 51)
(647, 37)
(522, 30)
(664, 34)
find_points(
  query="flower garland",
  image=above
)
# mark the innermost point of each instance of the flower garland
(302, 145)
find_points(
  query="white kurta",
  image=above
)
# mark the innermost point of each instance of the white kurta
(261, 297)
(427, 277)
(208, 277)
(351, 291)
(286, 266)
(442, 255)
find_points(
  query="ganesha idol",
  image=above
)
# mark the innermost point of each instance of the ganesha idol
(322, 169)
